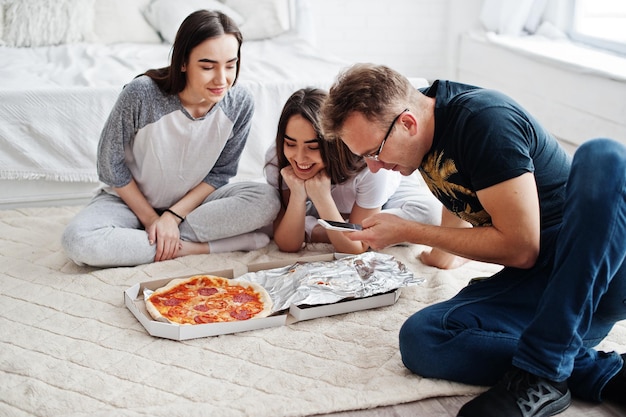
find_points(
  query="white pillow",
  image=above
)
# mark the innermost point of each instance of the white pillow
(123, 21)
(263, 18)
(167, 15)
(30, 23)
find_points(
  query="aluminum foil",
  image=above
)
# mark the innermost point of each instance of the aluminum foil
(313, 283)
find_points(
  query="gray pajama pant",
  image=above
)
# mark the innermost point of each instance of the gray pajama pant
(107, 233)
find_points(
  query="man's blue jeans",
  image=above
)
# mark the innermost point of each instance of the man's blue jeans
(546, 319)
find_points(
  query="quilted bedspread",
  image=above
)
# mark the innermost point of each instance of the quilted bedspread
(70, 347)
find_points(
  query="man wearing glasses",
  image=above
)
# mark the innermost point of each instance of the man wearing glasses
(529, 330)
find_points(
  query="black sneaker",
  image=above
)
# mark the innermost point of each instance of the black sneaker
(615, 389)
(520, 394)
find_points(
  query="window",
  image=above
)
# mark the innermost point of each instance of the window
(600, 23)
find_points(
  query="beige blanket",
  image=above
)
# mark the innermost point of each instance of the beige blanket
(69, 346)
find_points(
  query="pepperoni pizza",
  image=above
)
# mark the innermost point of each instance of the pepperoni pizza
(208, 299)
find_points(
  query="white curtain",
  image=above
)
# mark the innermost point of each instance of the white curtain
(520, 17)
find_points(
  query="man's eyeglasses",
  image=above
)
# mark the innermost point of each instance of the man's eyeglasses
(374, 156)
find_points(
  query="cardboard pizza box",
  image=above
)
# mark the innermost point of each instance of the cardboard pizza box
(134, 301)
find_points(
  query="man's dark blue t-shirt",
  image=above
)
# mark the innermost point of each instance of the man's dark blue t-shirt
(483, 138)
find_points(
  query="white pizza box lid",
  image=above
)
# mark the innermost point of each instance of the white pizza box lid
(279, 264)
(134, 300)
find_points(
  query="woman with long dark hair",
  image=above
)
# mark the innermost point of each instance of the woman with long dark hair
(166, 154)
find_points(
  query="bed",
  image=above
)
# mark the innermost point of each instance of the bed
(63, 64)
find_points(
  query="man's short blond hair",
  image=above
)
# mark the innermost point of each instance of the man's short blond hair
(376, 91)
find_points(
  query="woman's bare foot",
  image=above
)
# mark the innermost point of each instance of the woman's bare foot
(441, 259)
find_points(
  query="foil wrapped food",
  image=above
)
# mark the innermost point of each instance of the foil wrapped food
(326, 282)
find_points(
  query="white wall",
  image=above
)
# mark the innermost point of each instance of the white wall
(574, 104)
(416, 37)
(422, 38)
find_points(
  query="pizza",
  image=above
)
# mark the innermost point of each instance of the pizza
(204, 299)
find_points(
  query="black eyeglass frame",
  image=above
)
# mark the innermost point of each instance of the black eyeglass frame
(374, 156)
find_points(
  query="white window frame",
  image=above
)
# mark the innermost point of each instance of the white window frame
(578, 35)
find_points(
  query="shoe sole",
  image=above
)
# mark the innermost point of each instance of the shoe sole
(556, 407)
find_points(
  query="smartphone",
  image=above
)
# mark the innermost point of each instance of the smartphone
(339, 226)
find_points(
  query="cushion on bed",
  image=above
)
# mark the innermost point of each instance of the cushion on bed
(123, 21)
(165, 16)
(29, 23)
(263, 18)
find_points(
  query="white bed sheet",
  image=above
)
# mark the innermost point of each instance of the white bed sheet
(283, 58)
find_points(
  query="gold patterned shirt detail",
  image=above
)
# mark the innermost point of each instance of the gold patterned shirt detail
(437, 172)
